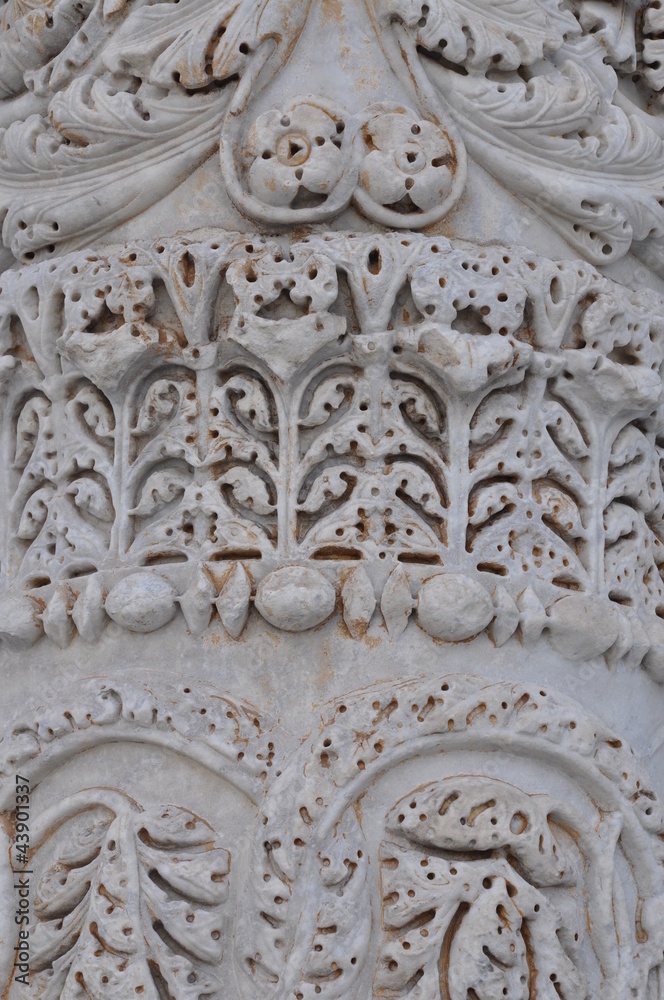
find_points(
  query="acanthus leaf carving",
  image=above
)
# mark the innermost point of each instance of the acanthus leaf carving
(115, 909)
(488, 928)
(534, 91)
(483, 884)
(511, 33)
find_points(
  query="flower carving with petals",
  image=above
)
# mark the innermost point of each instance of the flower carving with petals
(412, 169)
(297, 152)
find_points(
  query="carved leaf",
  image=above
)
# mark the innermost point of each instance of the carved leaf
(31, 418)
(497, 411)
(145, 887)
(317, 941)
(160, 489)
(511, 32)
(64, 155)
(204, 43)
(160, 404)
(490, 930)
(633, 468)
(559, 510)
(250, 402)
(96, 411)
(339, 914)
(158, 42)
(91, 496)
(419, 408)
(554, 117)
(419, 486)
(328, 397)
(330, 485)
(614, 28)
(471, 364)
(488, 501)
(170, 73)
(248, 490)
(620, 521)
(564, 430)
(108, 358)
(34, 513)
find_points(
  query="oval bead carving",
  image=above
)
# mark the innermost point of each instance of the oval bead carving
(142, 602)
(453, 608)
(20, 625)
(295, 598)
(581, 627)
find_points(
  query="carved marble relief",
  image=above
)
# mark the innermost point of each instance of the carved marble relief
(345, 423)
(469, 884)
(331, 347)
(107, 105)
(132, 898)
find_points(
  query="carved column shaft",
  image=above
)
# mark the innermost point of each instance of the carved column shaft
(331, 547)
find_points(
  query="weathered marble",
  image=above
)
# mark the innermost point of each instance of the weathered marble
(331, 512)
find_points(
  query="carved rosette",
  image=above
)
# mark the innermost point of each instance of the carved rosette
(309, 160)
(107, 106)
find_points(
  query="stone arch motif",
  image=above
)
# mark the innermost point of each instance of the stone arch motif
(127, 898)
(312, 926)
(133, 897)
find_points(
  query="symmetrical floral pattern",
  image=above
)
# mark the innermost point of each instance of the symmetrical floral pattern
(309, 161)
(108, 105)
(410, 168)
(418, 424)
(467, 904)
(485, 888)
(495, 924)
(132, 898)
(252, 435)
(300, 153)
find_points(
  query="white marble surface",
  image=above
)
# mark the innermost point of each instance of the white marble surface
(331, 642)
